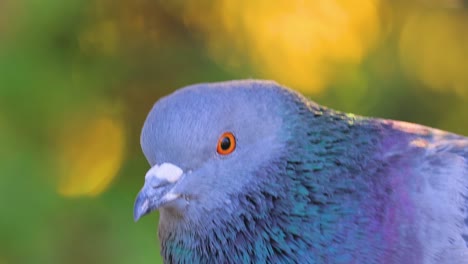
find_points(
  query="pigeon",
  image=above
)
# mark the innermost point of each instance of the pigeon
(249, 171)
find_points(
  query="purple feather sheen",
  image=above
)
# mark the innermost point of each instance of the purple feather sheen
(305, 184)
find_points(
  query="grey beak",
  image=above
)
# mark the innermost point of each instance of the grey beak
(141, 206)
(159, 180)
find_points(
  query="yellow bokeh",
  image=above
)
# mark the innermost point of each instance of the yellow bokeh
(294, 42)
(90, 154)
(434, 49)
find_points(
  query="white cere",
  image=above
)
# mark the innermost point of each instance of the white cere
(166, 171)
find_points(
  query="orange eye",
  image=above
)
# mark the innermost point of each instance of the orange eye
(226, 143)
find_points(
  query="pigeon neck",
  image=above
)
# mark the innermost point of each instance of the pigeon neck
(254, 230)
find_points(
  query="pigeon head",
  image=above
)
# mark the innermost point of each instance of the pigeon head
(204, 143)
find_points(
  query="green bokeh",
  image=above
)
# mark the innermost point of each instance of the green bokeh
(50, 69)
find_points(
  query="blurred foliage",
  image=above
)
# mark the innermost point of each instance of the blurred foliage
(77, 79)
(95, 153)
(294, 42)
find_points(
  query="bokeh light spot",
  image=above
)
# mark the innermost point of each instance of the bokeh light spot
(294, 42)
(90, 156)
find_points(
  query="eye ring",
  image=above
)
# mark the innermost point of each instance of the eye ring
(226, 143)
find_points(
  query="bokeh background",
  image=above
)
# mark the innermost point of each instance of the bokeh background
(78, 77)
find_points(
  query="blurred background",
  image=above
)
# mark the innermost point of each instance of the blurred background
(78, 77)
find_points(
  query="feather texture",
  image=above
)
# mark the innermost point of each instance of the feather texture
(307, 184)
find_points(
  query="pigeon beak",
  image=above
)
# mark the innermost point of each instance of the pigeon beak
(156, 191)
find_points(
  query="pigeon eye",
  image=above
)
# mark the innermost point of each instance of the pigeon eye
(226, 143)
